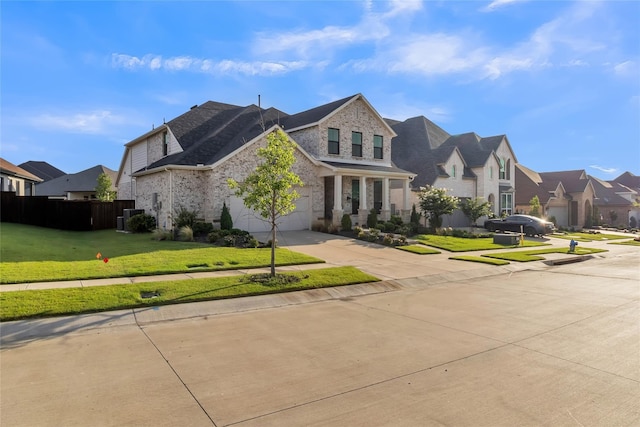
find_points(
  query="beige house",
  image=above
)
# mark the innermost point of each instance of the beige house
(14, 178)
(343, 158)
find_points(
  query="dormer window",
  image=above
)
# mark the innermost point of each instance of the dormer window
(503, 174)
(334, 141)
(453, 171)
(165, 144)
(377, 146)
(356, 144)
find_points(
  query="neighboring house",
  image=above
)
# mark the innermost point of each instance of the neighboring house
(76, 186)
(15, 178)
(632, 182)
(42, 170)
(614, 203)
(343, 157)
(468, 165)
(567, 196)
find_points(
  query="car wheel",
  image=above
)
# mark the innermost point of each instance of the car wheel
(530, 231)
(491, 228)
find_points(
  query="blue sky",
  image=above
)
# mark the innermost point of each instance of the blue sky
(560, 78)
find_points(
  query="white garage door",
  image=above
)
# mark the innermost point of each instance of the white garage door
(249, 220)
(561, 213)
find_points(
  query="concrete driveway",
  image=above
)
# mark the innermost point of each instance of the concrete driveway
(442, 343)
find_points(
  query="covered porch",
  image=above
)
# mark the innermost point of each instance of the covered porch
(355, 190)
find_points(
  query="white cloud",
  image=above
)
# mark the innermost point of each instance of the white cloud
(497, 4)
(606, 170)
(199, 65)
(94, 122)
(626, 69)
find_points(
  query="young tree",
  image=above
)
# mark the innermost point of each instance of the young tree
(534, 206)
(434, 203)
(475, 208)
(268, 189)
(104, 193)
(226, 222)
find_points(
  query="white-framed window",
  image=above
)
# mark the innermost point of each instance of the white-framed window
(506, 203)
(165, 143)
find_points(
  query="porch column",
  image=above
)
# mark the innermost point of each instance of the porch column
(405, 213)
(363, 211)
(337, 200)
(385, 213)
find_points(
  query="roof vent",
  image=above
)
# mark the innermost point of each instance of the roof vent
(195, 106)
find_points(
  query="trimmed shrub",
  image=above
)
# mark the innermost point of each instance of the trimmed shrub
(226, 223)
(395, 219)
(372, 218)
(201, 228)
(141, 223)
(159, 234)
(346, 222)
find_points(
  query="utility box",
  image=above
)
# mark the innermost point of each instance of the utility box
(508, 239)
(120, 223)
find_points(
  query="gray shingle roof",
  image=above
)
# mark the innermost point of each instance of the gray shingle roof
(84, 181)
(313, 115)
(42, 169)
(212, 131)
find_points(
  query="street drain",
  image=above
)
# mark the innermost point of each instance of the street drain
(203, 265)
(149, 294)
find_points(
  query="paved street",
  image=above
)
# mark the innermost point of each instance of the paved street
(439, 342)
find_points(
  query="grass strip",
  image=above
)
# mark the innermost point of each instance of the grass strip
(206, 258)
(418, 249)
(463, 244)
(589, 237)
(626, 242)
(534, 255)
(480, 259)
(70, 301)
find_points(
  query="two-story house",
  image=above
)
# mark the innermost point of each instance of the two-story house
(468, 165)
(343, 157)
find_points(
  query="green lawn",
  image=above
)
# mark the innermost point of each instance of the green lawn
(480, 259)
(50, 255)
(534, 255)
(589, 237)
(461, 244)
(418, 249)
(54, 302)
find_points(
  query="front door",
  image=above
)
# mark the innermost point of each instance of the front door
(329, 184)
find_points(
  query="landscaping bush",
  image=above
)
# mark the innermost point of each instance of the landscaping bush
(372, 218)
(184, 217)
(395, 219)
(141, 223)
(633, 223)
(159, 234)
(346, 222)
(226, 222)
(186, 233)
(387, 239)
(201, 228)
(388, 227)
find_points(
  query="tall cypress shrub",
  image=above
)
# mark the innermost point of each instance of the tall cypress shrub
(226, 223)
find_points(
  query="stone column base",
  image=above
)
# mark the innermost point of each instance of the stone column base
(405, 214)
(362, 217)
(385, 215)
(337, 217)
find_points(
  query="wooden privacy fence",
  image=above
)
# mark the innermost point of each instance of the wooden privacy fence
(78, 215)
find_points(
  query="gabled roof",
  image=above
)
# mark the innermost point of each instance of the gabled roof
(412, 148)
(314, 115)
(422, 146)
(529, 183)
(575, 181)
(84, 181)
(630, 180)
(9, 168)
(607, 193)
(42, 169)
(213, 130)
